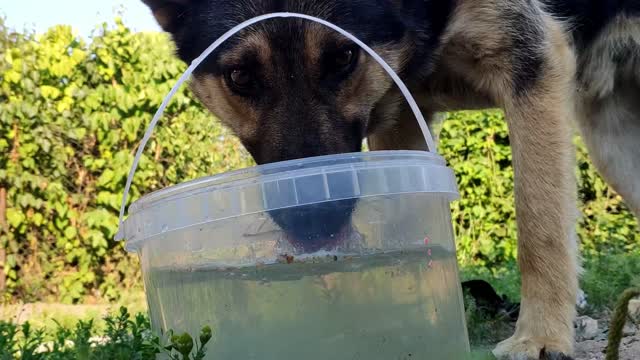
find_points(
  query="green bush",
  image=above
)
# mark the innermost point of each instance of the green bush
(72, 113)
(124, 338)
(71, 116)
(476, 145)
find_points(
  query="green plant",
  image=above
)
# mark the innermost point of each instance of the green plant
(124, 338)
(484, 330)
(476, 146)
(183, 344)
(71, 116)
(607, 276)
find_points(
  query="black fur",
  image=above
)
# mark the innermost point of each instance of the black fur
(218, 16)
(589, 17)
(526, 58)
(372, 21)
(488, 301)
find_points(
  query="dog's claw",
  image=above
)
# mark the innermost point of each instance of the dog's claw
(553, 355)
(527, 349)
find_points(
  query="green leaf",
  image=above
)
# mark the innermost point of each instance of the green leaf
(70, 233)
(50, 92)
(15, 217)
(38, 219)
(106, 178)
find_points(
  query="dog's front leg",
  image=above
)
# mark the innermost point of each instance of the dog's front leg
(543, 158)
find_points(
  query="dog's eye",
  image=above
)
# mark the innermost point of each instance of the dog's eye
(240, 77)
(240, 80)
(343, 61)
(344, 58)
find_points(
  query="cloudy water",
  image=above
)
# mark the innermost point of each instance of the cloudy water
(400, 305)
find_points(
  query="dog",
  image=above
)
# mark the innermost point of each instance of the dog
(290, 88)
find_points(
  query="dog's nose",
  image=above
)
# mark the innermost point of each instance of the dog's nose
(315, 227)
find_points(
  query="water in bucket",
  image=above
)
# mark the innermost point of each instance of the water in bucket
(247, 254)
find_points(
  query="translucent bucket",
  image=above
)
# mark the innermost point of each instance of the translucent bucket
(347, 256)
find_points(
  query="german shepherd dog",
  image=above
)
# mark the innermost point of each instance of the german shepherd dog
(290, 88)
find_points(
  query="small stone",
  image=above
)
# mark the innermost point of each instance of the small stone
(581, 300)
(601, 337)
(629, 329)
(634, 310)
(586, 328)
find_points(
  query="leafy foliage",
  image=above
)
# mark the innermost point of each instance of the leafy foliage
(124, 338)
(72, 112)
(476, 146)
(609, 275)
(71, 116)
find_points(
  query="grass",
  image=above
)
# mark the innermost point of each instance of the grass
(95, 332)
(124, 337)
(605, 277)
(50, 316)
(479, 354)
(505, 280)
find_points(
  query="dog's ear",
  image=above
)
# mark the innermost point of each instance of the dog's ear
(169, 13)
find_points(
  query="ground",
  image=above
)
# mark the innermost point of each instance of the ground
(586, 349)
(593, 349)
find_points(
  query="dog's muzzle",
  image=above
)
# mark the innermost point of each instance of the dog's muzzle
(315, 227)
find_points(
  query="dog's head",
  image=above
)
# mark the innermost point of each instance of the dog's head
(291, 88)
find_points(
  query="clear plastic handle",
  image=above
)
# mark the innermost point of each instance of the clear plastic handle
(196, 62)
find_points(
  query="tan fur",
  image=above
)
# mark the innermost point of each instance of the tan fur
(254, 41)
(215, 95)
(219, 100)
(315, 35)
(609, 108)
(356, 97)
(476, 67)
(404, 135)
(474, 72)
(371, 82)
(477, 58)
(541, 140)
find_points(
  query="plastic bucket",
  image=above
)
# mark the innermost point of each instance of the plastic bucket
(346, 256)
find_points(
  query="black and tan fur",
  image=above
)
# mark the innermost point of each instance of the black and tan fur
(549, 64)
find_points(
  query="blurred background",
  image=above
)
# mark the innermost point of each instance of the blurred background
(83, 16)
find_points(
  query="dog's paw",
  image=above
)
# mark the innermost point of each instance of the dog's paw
(523, 348)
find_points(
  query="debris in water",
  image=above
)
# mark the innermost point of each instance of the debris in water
(286, 258)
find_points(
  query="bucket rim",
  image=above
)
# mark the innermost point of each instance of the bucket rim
(281, 169)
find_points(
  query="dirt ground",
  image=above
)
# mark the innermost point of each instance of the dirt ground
(594, 349)
(586, 349)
